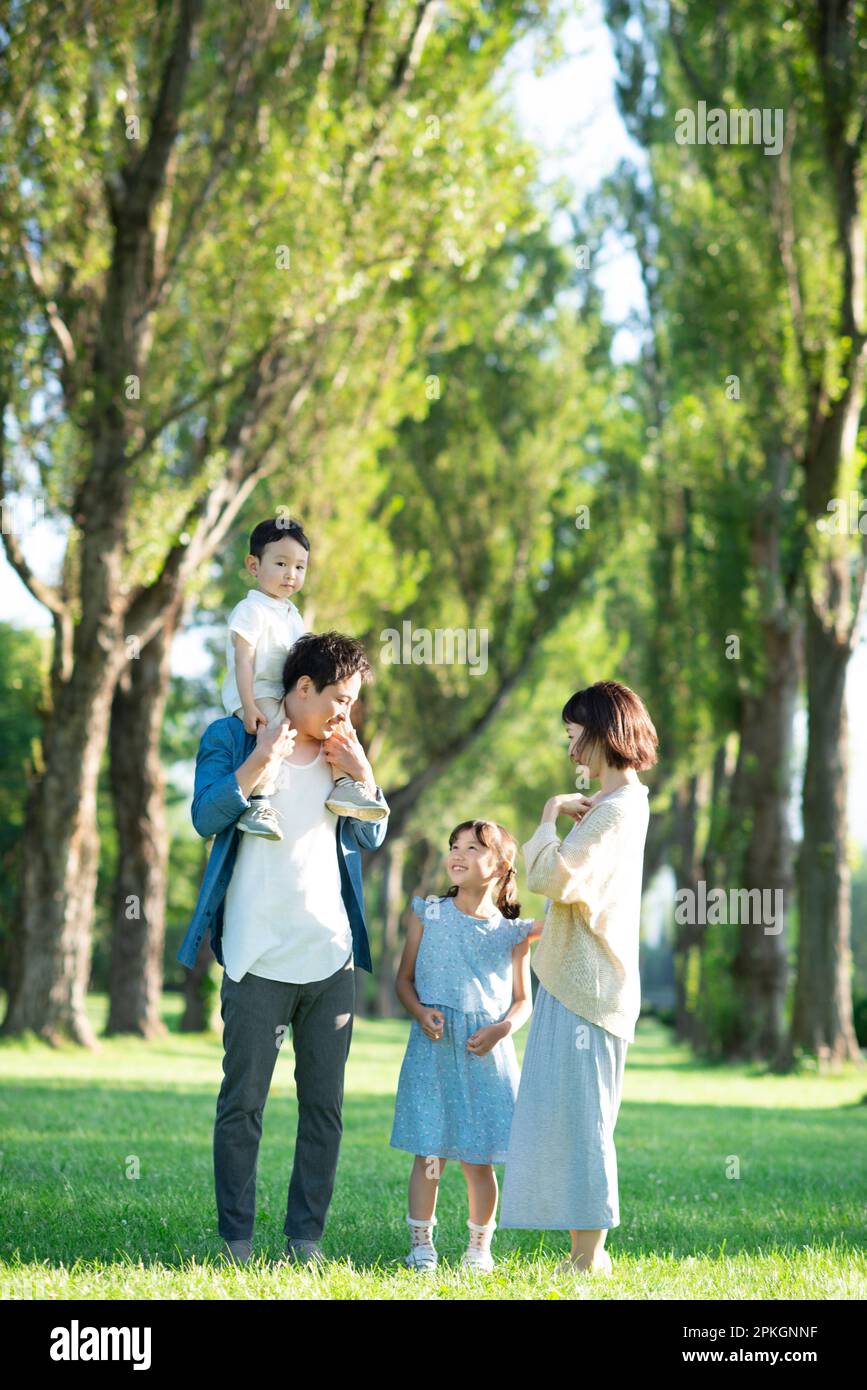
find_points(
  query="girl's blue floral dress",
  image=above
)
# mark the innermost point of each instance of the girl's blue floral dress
(450, 1103)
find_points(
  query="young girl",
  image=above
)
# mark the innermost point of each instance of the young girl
(465, 978)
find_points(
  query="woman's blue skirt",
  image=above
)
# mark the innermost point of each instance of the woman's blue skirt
(561, 1167)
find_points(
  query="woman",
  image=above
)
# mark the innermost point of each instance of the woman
(561, 1169)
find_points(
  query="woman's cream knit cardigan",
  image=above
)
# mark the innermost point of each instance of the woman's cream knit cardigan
(587, 955)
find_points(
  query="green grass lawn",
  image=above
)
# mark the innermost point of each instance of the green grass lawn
(74, 1222)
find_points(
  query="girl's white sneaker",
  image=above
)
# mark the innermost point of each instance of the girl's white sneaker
(478, 1255)
(423, 1258)
(481, 1260)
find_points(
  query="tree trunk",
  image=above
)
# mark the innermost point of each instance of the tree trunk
(61, 858)
(719, 808)
(195, 1016)
(61, 844)
(138, 786)
(761, 801)
(822, 1021)
(201, 1003)
(394, 853)
(687, 936)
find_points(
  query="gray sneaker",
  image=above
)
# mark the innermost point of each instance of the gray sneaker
(304, 1252)
(238, 1251)
(350, 799)
(261, 819)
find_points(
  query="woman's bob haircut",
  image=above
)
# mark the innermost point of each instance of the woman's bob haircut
(614, 717)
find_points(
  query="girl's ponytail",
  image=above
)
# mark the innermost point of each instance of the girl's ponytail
(507, 898)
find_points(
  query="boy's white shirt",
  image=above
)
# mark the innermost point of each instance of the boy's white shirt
(271, 626)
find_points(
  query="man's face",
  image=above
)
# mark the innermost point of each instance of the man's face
(316, 713)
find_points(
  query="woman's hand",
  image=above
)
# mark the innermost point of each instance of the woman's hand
(344, 751)
(572, 804)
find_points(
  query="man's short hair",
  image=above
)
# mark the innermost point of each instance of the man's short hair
(326, 657)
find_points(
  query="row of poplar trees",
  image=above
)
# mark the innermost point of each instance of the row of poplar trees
(299, 256)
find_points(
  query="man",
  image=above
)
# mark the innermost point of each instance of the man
(287, 924)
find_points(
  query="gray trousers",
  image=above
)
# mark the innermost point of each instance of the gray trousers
(256, 1014)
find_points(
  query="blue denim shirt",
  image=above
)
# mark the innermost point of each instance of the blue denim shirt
(218, 802)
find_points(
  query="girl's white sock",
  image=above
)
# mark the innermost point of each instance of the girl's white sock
(422, 1230)
(480, 1237)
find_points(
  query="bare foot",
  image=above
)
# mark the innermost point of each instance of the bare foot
(601, 1264)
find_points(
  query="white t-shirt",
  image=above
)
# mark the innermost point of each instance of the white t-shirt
(271, 625)
(284, 916)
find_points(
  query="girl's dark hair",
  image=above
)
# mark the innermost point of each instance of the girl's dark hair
(326, 657)
(494, 836)
(614, 717)
(275, 530)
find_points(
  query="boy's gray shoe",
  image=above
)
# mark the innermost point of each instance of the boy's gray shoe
(261, 819)
(350, 799)
(304, 1252)
(238, 1251)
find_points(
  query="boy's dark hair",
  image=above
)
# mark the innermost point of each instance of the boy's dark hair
(326, 657)
(275, 530)
(613, 716)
